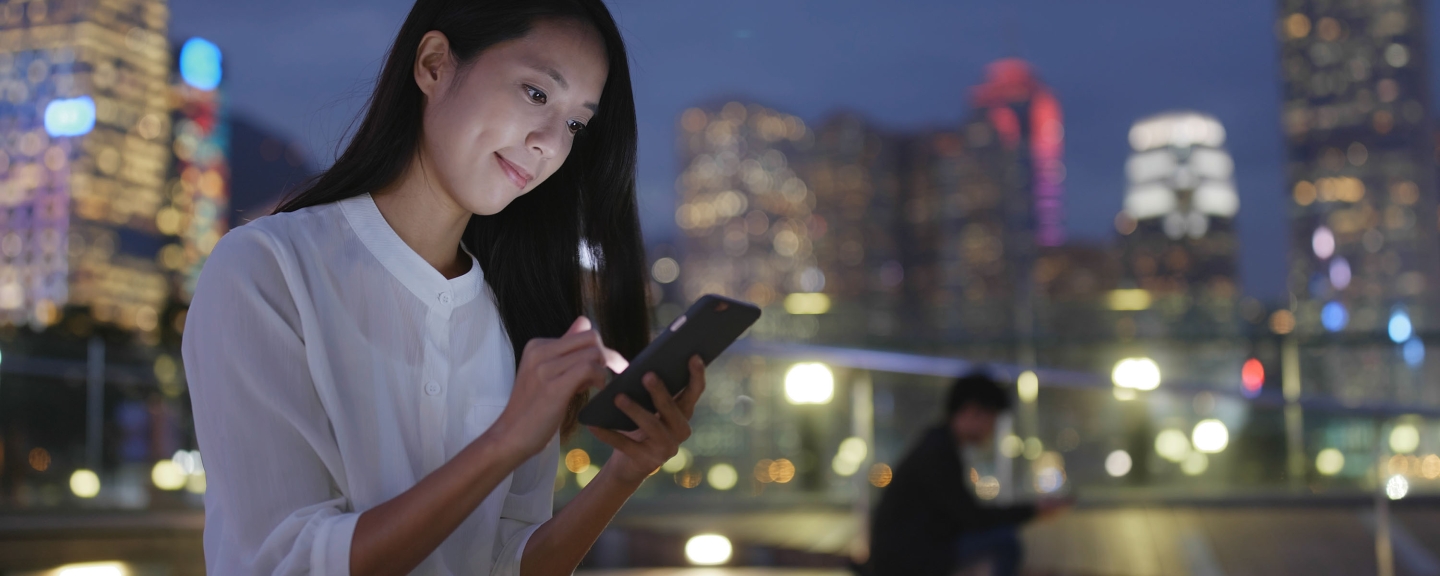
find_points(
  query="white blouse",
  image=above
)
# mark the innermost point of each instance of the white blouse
(330, 369)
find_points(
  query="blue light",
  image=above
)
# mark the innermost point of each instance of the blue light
(70, 116)
(200, 63)
(1400, 328)
(1414, 352)
(1334, 316)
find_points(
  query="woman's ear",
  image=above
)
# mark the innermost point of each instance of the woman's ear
(433, 63)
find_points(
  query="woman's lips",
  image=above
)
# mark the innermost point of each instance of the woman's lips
(517, 175)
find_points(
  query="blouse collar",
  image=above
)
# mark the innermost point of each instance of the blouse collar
(407, 266)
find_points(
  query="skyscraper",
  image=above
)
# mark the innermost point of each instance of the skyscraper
(1361, 165)
(746, 214)
(1177, 227)
(86, 143)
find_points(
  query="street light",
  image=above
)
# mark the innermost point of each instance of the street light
(1136, 373)
(809, 383)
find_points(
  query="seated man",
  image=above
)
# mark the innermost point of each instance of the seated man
(928, 522)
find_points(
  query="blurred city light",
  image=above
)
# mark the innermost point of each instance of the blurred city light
(1027, 386)
(70, 116)
(782, 470)
(1329, 462)
(708, 550)
(1137, 374)
(1397, 487)
(1399, 327)
(1012, 446)
(167, 475)
(200, 63)
(807, 303)
(1172, 444)
(722, 476)
(1334, 316)
(84, 483)
(809, 383)
(1252, 377)
(1404, 438)
(987, 488)
(850, 456)
(583, 477)
(665, 270)
(93, 569)
(1123, 394)
(880, 475)
(577, 460)
(1118, 463)
(1033, 448)
(1414, 353)
(1129, 299)
(1323, 242)
(1430, 467)
(678, 462)
(1340, 273)
(1210, 436)
(1194, 464)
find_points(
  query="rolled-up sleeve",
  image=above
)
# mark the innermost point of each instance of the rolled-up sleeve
(528, 504)
(274, 502)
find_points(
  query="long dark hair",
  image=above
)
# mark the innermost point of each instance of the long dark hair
(530, 250)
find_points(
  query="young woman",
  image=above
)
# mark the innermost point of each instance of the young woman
(352, 358)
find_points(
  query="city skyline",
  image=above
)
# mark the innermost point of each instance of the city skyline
(904, 70)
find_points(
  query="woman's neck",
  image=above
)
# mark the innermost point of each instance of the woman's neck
(426, 218)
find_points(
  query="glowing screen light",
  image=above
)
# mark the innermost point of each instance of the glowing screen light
(1252, 377)
(708, 550)
(200, 63)
(1400, 328)
(70, 116)
(1334, 316)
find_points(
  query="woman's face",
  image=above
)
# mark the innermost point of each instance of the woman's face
(500, 126)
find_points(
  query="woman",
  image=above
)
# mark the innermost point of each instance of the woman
(353, 358)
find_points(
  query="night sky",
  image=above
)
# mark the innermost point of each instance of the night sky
(304, 68)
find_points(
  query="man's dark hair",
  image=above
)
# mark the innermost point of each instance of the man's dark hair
(978, 387)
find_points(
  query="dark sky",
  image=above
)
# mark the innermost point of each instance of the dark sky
(305, 67)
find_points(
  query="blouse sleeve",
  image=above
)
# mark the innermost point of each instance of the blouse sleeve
(273, 503)
(528, 504)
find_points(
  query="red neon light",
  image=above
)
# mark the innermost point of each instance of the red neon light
(1252, 375)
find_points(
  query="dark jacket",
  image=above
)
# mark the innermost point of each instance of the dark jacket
(927, 508)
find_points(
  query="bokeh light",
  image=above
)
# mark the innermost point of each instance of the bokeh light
(1252, 377)
(1414, 352)
(809, 383)
(1334, 317)
(1118, 463)
(84, 483)
(782, 470)
(849, 457)
(1399, 327)
(578, 460)
(708, 550)
(1404, 438)
(1397, 487)
(722, 476)
(1136, 373)
(200, 63)
(1210, 436)
(1172, 444)
(167, 475)
(880, 475)
(678, 462)
(1329, 462)
(1195, 464)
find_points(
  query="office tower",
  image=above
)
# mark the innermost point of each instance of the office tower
(744, 210)
(979, 205)
(197, 195)
(1178, 224)
(1360, 165)
(855, 173)
(86, 143)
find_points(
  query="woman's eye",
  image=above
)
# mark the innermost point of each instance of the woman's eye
(535, 94)
(575, 126)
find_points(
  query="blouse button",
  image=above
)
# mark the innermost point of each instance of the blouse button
(444, 297)
(432, 388)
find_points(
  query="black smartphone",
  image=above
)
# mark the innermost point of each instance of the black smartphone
(709, 327)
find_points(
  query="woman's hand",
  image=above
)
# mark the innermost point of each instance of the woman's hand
(551, 371)
(638, 454)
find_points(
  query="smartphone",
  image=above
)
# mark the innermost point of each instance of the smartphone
(709, 327)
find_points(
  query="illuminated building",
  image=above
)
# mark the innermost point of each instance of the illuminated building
(86, 143)
(196, 211)
(1361, 167)
(1361, 177)
(981, 202)
(854, 171)
(747, 215)
(1177, 230)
